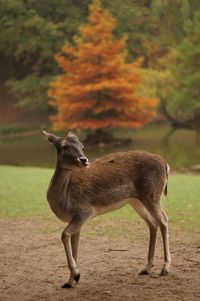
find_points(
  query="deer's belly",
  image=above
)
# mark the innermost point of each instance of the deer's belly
(98, 209)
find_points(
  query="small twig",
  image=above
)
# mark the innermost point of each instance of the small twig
(117, 250)
(62, 266)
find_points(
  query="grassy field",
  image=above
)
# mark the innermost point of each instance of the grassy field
(23, 195)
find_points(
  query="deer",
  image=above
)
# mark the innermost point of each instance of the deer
(80, 190)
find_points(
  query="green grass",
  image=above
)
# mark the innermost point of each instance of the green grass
(23, 191)
(23, 195)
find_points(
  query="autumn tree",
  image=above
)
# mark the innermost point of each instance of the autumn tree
(97, 87)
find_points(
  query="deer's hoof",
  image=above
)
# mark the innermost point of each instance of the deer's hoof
(144, 272)
(164, 272)
(77, 277)
(66, 285)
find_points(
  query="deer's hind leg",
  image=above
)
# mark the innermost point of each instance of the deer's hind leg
(153, 226)
(161, 219)
(163, 224)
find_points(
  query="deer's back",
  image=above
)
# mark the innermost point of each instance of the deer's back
(119, 176)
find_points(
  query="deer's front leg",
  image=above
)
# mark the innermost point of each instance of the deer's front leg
(70, 239)
(74, 243)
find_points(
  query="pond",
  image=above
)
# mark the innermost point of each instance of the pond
(180, 148)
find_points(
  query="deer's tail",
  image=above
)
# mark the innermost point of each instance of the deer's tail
(167, 174)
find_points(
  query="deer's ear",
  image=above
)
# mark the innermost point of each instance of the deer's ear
(72, 135)
(51, 137)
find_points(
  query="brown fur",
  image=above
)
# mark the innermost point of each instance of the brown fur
(144, 173)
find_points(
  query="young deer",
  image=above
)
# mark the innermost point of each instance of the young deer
(79, 190)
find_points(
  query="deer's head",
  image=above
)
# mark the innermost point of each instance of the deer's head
(69, 150)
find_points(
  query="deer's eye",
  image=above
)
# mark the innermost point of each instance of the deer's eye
(65, 147)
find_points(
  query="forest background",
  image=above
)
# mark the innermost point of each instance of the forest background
(166, 34)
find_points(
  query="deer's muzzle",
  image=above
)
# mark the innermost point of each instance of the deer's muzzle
(83, 161)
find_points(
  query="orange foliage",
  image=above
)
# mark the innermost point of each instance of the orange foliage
(97, 87)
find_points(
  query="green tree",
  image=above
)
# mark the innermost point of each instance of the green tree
(31, 33)
(159, 82)
(136, 20)
(171, 16)
(186, 95)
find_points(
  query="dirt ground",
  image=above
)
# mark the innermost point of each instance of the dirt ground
(33, 267)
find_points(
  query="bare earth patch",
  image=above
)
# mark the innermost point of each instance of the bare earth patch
(33, 266)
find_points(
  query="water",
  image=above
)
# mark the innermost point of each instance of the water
(180, 148)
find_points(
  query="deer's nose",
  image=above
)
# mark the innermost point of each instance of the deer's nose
(83, 160)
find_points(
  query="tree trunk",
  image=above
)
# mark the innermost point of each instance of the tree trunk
(176, 123)
(103, 138)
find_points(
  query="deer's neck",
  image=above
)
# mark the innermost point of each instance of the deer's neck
(57, 191)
